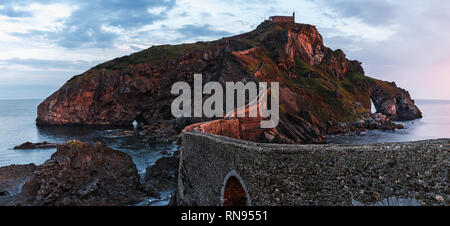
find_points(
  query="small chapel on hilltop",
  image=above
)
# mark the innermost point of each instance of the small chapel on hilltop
(288, 19)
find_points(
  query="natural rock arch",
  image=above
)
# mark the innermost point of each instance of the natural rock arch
(234, 191)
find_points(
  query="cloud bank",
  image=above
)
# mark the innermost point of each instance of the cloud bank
(48, 41)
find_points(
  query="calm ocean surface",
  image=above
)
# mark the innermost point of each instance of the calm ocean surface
(17, 125)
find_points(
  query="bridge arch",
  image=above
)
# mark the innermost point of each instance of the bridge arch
(234, 192)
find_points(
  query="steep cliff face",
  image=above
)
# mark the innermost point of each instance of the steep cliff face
(317, 85)
(394, 102)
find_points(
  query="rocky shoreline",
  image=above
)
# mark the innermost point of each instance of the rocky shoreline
(87, 175)
(43, 145)
(376, 121)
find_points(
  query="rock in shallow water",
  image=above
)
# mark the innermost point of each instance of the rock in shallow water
(83, 174)
(394, 102)
(162, 176)
(43, 145)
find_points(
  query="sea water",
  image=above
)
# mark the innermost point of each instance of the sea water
(17, 126)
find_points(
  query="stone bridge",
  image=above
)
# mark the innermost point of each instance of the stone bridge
(216, 170)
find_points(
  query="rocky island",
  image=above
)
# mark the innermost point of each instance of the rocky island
(321, 91)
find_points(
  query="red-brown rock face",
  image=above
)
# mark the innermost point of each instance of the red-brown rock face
(317, 84)
(394, 102)
(296, 41)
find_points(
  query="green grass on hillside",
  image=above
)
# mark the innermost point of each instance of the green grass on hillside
(154, 55)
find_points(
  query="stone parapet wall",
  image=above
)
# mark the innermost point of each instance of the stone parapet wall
(413, 173)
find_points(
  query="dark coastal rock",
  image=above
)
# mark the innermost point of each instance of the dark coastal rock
(161, 131)
(173, 199)
(162, 176)
(12, 178)
(317, 85)
(43, 145)
(121, 133)
(394, 102)
(375, 121)
(83, 174)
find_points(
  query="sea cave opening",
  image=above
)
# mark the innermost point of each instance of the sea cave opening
(234, 194)
(373, 110)
(138, 119)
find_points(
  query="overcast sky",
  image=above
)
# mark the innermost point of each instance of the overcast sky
(43, 43)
